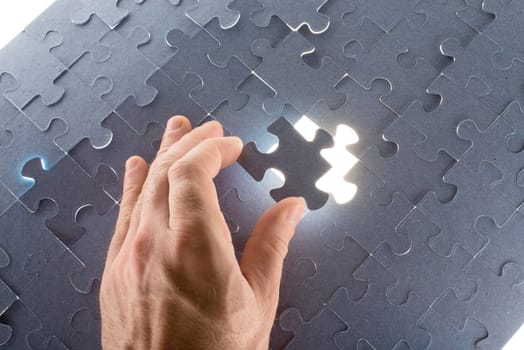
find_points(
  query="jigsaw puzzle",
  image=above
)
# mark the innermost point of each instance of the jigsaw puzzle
(428, 253)
(299, 170)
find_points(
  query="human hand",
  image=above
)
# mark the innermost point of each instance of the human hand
(171, 279)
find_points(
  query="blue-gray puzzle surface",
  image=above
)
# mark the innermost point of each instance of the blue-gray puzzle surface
(429, 254)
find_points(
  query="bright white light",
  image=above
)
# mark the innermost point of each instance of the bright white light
(15, 15)
(307, 128)
(517, 341)
(341, 161)
(338, 157)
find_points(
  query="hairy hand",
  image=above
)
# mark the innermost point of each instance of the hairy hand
(171, 279)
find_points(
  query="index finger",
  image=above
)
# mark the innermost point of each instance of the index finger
(192, 192)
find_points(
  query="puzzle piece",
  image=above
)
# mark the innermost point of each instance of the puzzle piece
(236, 41)
(64, 39)
(6, 198)
(123, 82)
(395, 321)
(19, 242)
(362, 111)
(439, 126)
(170, 99)
(456, 218)
(501, 316)
(83, 322)
(324, 321)
(7, 109)
(286, 10)
(72, 109)
(218, 83)
(91, 248)
(413, 268)
(16, 57)
(490, 147)
(234, 179)
(7, 297)
(301, 170)
(124, 144)
(237, 122)
(286, 60)
(58, 183)
(310, 280)
(444, 336)
(50, 296)
(431, 22)
(240, 226)
(514, 116)
(4, 258)
(505, 30)
(341, 35)
(475, 62)
(473, 15)
(108, 11)
(17, 144)
(364, 219)
(384, 12)
(407, 83)
(15, 326)
(505, 241)
(168, 16)
(405, 171)
(205, 10)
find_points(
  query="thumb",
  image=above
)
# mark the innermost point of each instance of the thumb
(267, 246)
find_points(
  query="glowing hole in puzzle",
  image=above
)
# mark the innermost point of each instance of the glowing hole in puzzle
(517, 341)
(31, 180)
(340, 159)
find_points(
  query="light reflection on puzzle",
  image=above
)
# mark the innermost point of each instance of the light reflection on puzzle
(427, 254)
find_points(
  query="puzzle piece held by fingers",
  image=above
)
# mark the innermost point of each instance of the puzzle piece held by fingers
(301, 170)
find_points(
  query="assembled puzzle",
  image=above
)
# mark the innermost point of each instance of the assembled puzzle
(428, 254)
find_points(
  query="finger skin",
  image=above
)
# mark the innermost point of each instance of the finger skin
(191, 187)
(156, 188)
(134, 178)
(264, 254)
(176, 127)
(176, 274)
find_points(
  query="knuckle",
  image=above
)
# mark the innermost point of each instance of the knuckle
(142, 246)
(184, 170)
(186, 235)
(189, 207)
(169, 137)
(159, 166)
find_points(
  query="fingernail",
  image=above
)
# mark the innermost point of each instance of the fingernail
(174, 123)
(131, 163)
(297, 212)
